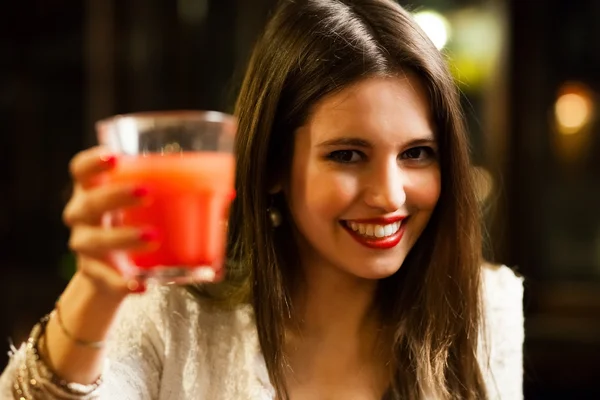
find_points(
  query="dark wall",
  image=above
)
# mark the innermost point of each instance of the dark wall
(553, 220)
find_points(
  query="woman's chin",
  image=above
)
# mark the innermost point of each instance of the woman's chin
(376, 272)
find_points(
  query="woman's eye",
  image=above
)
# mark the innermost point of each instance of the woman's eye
(346, 156)
(420, 153)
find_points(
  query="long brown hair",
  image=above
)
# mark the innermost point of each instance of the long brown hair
(310, 49)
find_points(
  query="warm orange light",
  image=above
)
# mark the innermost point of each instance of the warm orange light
(573, 120)
(573, 109)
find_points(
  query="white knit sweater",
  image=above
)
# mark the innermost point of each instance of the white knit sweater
(169, 346)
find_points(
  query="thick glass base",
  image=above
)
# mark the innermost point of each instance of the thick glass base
(176, 275)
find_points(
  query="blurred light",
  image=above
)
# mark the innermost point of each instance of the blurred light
(476, 46)
(573, 109)
(572, 121)
(572, 112)
(435, 25)
(484, 183)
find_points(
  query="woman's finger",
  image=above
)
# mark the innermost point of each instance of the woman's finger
(87, 164)
(97, 242)
(89, 206)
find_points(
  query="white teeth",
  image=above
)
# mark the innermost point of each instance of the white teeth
(388, 230)
(372, 230)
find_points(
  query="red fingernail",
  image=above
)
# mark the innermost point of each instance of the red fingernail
(140, 289)
(149, 235)
(140, 191)
(136, 287)
(109, 160)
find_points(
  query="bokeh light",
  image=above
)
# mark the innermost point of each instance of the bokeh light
(435, 25)
(573, 109)
(572, 119)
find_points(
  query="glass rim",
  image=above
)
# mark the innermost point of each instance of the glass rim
(166, 115)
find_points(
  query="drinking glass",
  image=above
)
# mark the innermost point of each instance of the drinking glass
(184, 159)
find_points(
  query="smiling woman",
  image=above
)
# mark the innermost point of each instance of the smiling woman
(354, 264)
(365, 177)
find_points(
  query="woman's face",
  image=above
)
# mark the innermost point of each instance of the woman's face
(365, 177)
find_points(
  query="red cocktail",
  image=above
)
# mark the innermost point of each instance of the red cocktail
(185, 161)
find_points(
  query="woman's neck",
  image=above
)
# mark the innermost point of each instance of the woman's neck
(333, 342)
(331, 304)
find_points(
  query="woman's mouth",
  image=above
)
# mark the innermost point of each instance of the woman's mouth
(376, 233)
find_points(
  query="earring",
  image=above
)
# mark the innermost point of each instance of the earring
(274, 216)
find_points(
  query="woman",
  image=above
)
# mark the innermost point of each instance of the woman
(354, 250)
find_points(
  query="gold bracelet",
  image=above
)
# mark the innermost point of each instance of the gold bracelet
(85, 343)
(36, 380)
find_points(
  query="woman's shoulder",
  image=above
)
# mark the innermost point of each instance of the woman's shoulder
(501, 283)
(502, 347)
(503, 303)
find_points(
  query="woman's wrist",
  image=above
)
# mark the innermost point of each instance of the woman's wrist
(87, 314)
(86, 311)
(101, 292)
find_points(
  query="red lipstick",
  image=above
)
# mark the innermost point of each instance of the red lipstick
(384, 243)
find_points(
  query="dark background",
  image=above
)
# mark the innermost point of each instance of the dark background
(66, 63)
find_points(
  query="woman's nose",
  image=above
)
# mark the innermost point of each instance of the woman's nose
(385, 187)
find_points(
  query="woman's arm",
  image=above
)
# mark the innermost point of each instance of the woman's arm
(135, 352)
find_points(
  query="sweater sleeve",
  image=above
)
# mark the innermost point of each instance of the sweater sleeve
(502, 348)
(135, 352)
(137, 348)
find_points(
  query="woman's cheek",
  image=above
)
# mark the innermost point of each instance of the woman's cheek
(423, 187)
(332, 192)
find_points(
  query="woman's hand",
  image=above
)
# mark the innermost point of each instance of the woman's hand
(84, 214)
